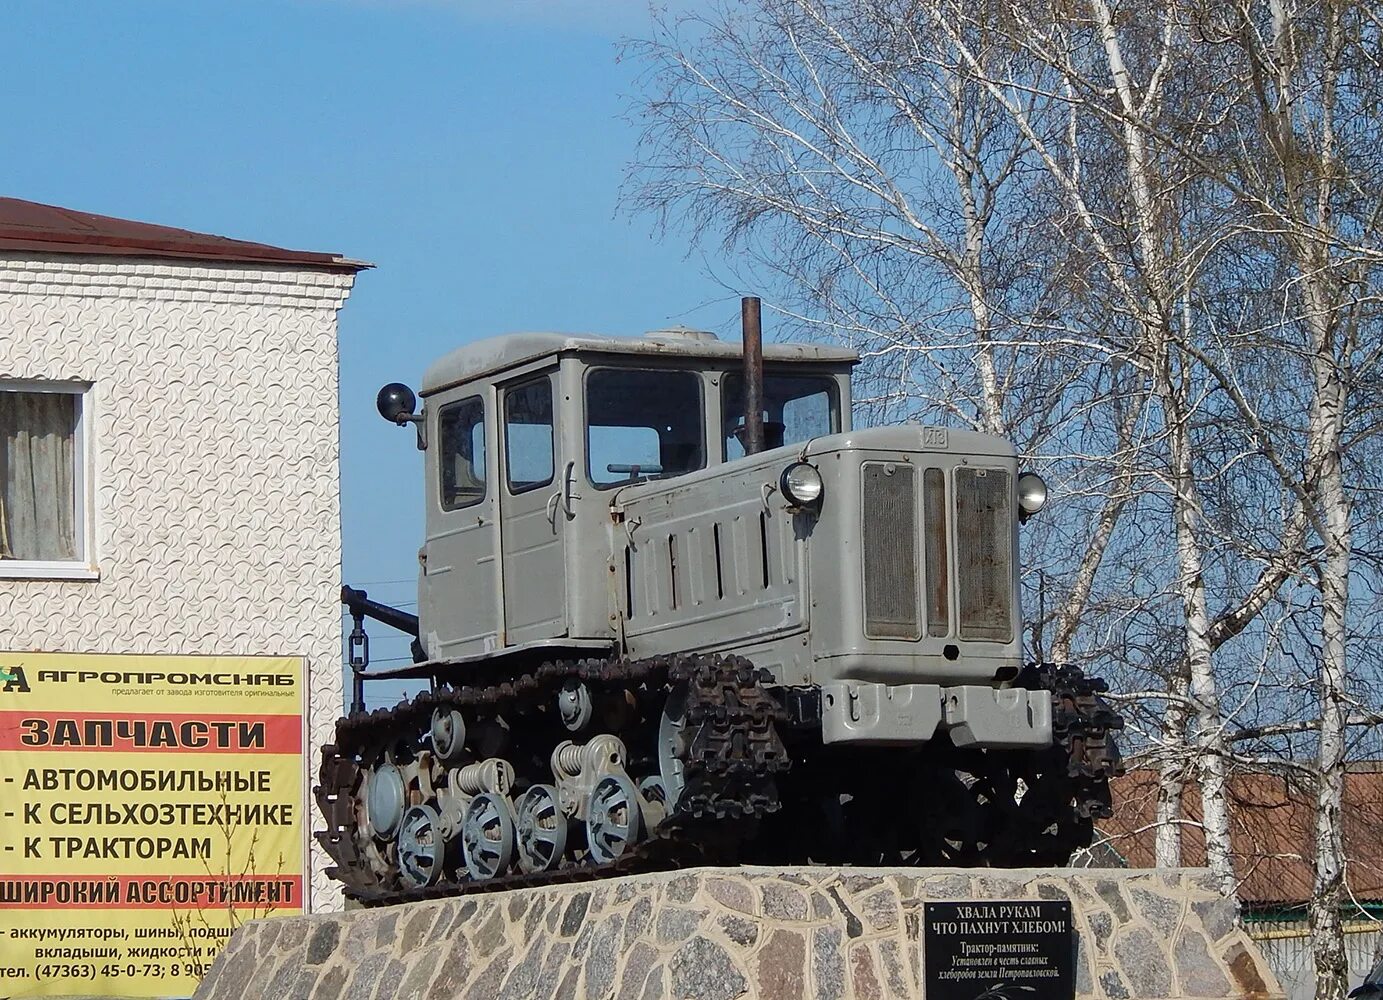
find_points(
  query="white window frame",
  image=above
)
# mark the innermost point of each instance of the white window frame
(85, 565)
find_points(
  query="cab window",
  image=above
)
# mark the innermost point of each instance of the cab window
(797, 408)
(642, 424)
(528, 447)
(461, 451)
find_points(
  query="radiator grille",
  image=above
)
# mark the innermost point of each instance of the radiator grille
(935, 529)
(984, 553)
(890, 552)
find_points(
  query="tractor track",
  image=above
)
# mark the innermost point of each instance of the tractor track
(731, 760)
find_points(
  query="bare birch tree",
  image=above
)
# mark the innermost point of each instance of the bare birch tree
(1139, 240)
(1306, 169)
(856, 158)
(1148, 257)
(1297, 160)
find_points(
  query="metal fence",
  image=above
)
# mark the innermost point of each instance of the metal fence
(1286, 945)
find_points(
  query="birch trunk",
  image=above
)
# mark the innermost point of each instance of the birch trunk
(1327, 432)
(1209, 734)
(1328, 889)
(1326, 429)
(1171, 781)
(1156, 268)
(971, 272)
(1072, 613)
(1313, 177)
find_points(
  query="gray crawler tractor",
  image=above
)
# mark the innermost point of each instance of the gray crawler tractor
(673, 609)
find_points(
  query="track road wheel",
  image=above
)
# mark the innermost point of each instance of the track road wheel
(422, 852)
(541, 829)
(614, 822)
(487, 836)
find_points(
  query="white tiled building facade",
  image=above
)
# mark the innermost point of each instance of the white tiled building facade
(208, 509)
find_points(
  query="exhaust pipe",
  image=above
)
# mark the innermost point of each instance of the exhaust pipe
(751, 327)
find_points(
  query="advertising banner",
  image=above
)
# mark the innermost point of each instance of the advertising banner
(148, 805)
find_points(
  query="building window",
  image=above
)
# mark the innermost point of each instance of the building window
(44, 529)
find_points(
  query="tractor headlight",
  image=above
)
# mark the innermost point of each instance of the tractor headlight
(1032, 494)
(801, 484)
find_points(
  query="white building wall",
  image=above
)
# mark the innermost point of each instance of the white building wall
(216, 464)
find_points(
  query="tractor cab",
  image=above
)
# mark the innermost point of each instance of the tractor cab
(530, 439)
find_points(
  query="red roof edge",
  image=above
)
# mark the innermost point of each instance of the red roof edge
(33, 227)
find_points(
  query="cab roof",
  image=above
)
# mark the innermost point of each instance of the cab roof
(496, 354)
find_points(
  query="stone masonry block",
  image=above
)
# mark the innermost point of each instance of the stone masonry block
(781, 968)
(737, 934)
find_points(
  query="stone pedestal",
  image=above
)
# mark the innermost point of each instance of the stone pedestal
(723, 934)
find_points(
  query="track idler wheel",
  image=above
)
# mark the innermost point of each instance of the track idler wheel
(385, 800)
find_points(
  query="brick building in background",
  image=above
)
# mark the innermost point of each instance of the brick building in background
(1272, 837)
(169, 457)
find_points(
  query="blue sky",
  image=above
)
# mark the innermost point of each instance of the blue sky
(473, 151)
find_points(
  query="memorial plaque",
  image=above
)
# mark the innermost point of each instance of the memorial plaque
(1023, 949)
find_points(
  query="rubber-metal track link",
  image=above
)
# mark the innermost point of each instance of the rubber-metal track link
(730, 762)
(1083, 726)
